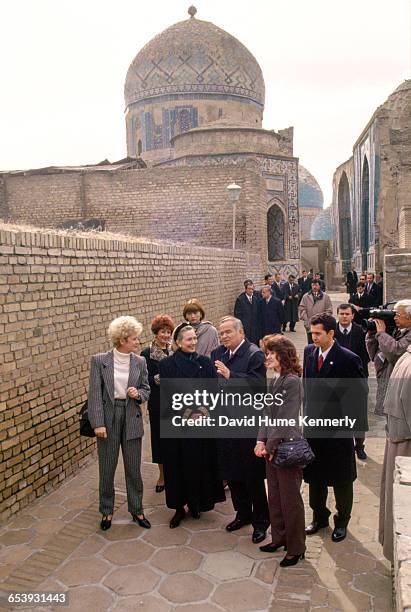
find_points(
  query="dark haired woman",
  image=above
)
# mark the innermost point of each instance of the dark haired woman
(284, 484)
(207, 335)
(162, 327)
(190, 469)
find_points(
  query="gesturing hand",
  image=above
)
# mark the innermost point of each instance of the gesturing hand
(222, 369)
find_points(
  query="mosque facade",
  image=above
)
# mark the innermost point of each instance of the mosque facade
(194, 104)
(371, 209)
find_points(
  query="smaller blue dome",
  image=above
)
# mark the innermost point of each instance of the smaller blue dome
(309, 191)
(321, 228)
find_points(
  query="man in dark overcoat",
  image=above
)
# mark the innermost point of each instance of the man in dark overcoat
(277, 287)
(373, 291)
(350, 335)
(334, 464)
(247, 309)
(245, 473)
(291, 293)
(361, 303)
(351, 280)
(272, 312)
(304, 283)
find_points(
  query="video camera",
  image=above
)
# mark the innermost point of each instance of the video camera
(386, 314)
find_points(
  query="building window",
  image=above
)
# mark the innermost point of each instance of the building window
(275, 233)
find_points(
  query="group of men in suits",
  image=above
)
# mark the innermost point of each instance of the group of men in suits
(334, 463)
(269, 310)
(365, 291)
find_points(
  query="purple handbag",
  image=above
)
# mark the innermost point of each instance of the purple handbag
(294, 453)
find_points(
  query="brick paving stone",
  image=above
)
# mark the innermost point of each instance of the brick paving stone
(122, 532)
(145, 603)
(18, 536)
(131, 580)
(242, 596)
(87, 599)
(213, 541)
(266, 570)
(162, 535)
(201, 607)
(227, 565)
(178, 559)
(184, 588)
(84, 571)
(91, 545)
(128, 552)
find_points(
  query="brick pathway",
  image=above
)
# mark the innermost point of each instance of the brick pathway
(55, 545)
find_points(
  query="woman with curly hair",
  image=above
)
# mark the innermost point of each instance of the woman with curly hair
(162, 327)
(207, 335)
(118, 387)
(284, 483)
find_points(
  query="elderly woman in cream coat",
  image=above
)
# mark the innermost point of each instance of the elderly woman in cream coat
(397, 407)
(118, 387)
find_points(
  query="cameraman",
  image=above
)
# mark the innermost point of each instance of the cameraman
(385, 350)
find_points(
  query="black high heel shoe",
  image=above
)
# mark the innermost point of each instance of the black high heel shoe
(291, 561)
(271, 548)
(145, 523)
(177, 518)
(105, 523)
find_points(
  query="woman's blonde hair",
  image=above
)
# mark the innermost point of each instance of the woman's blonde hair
(123, 327)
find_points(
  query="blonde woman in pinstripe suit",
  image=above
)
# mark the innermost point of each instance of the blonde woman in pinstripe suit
(118, 386)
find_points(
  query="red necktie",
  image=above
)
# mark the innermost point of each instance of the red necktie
(320, 362)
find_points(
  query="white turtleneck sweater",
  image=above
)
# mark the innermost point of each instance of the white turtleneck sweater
(121, 374)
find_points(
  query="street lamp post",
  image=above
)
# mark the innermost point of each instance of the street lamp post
(233, 196)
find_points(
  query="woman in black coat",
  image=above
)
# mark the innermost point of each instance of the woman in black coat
(162, 327)
(190, 469)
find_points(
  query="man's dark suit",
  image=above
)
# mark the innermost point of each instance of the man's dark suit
(355, 342)
(304, 285)
(249, 315)
(373, 292)
(272, 316)
(363, 301)
(238, 464)
(334, 463)
(351, 281)
(277, 290)
(291, 297)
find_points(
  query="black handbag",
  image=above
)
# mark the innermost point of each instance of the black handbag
(294, 453)
(85, 426)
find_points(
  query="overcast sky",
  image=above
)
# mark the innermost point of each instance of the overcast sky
(327, 65)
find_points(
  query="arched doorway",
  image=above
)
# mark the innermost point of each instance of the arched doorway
(365, 212)
(275, 233)
(344, 213)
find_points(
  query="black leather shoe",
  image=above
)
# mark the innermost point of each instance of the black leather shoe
(314, 527)
(259, 535)
(194, 513)
(145, 523)
(361, 454)
(270, 548)
(160, 488)
(177, 518)
(291, 560)
(105, 523)
(237, 524)
(339, 534)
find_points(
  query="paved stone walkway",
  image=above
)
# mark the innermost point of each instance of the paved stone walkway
(55, 545)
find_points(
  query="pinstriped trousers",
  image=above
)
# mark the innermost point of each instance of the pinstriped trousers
(108, 451)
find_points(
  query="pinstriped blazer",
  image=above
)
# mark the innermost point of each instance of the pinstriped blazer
(101, 393)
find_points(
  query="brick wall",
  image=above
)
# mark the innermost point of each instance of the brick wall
(178, 204)
(58, 294)
(397, 275)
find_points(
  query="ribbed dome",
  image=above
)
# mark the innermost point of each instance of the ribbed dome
(192, 57)
(309, 191)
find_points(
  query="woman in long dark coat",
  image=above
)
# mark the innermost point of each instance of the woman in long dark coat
(190, 469)
(162, 327)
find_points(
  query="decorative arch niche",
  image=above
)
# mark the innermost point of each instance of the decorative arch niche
(344, 214)
(365, 212)
(275, 233)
